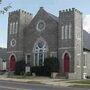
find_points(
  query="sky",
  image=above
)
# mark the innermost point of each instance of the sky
(52, 6)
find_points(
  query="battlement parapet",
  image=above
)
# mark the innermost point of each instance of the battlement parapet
(19, 11)
(69, 11)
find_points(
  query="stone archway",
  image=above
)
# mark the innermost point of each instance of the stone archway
(12, 63)
(66, 63)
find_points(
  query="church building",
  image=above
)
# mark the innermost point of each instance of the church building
(46, 35)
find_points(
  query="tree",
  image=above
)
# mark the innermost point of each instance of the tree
(5, 8)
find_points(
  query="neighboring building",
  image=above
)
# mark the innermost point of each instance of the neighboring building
(3, 58)
(86, 54)
(45, 35)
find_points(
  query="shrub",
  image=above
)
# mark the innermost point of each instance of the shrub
(20, 67)
(40, 71)
(52, 64)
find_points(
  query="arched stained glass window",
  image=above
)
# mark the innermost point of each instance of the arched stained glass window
(40, 51)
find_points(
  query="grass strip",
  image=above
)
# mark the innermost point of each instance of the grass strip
(81, 82)
(80, 86)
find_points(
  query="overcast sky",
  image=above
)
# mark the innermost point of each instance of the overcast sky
(52, 6)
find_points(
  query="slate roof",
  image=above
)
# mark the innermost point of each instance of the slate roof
(86, 40)
(54, 17)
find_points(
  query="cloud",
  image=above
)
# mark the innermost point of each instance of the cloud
(86, 23)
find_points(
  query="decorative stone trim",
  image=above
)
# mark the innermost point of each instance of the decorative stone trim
(14, 51)
(13, 42)
(40, 25)
(65, 48)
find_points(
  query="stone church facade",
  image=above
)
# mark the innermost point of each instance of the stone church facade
(45, 35)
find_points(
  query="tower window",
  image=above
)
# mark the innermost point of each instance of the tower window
(13, 27)
(62, 33)
(16, 27)
(70, 31)
(10, 28)
(66, 31)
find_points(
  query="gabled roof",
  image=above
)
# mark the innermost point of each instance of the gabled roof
(42, 10)
(53, 17)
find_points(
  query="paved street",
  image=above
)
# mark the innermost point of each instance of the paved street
(10, 85)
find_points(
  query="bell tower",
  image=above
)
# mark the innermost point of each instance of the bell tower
(17, 21)
(70, 42)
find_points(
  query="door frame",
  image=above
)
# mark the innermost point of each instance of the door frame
(66, 63)
(10, 59)
(63, 60)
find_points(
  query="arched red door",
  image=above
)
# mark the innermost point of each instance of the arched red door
(66, 63)
(12, 63)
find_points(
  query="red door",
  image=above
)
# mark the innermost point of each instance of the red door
(12, 63)
(66, 63)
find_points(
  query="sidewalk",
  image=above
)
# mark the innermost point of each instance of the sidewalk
(39, 80)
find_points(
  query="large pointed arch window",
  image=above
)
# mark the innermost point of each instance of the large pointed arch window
(40, 53)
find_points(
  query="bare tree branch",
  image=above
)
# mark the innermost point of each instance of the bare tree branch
(0, 1)
(5, 9)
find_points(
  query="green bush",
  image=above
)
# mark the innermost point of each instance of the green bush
(52, 64)
(20, 67)
(40, 71)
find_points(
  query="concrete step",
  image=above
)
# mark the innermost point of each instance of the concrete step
(62, 76)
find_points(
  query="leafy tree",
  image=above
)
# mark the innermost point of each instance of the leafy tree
(5, 8)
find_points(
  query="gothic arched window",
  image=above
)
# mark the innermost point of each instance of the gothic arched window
(40, 52)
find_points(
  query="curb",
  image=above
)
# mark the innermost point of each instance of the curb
(38, 81)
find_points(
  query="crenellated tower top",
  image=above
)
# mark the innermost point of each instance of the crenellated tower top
(19, 11)
(70, 10)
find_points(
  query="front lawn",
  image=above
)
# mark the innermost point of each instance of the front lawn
(81, 82)
(81, 86)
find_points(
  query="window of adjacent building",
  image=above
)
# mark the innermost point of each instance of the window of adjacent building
(28, 57)
(84, 59)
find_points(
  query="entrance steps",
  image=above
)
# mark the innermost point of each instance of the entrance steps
(62, 76)
(3, 74)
